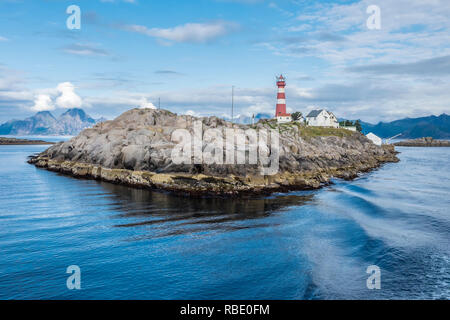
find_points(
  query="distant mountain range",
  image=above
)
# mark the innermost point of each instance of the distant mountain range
(71, 122)
(437, 127)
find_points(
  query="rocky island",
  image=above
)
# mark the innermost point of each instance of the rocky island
(137, 147)
(423, 142)
(14, 141)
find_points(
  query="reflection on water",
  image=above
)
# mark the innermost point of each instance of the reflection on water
(186, 215)
(140, 244)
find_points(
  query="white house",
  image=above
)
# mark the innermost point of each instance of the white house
(374, 138)
(322, 118)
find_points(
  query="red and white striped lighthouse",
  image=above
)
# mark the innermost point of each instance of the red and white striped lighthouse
(281, 98)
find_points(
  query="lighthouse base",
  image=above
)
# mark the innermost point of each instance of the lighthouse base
(284, 118)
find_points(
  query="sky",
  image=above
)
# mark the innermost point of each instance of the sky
(188, 54)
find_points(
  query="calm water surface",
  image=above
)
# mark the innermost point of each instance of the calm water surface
(138, 244)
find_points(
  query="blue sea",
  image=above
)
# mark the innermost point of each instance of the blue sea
(141, 244)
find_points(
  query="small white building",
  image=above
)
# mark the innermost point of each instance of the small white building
(351, 128)
(322, 118)
(284, 117)
(374, 138)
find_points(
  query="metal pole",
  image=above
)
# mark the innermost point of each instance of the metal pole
(232, 102)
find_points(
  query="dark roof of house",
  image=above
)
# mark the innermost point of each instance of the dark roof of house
(314, 113)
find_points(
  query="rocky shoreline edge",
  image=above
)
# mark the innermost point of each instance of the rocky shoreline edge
(202, 185)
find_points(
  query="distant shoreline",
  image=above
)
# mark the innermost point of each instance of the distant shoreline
(14, 141)
(423, 142)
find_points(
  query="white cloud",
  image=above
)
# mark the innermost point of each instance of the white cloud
(68, 97)
(192, 113)
(43, 102)
(63, 96)
(12, 93)
(259, 107)
(3, 39)
(410, 30)
(189, 32)
(144, 104)
(85, 49)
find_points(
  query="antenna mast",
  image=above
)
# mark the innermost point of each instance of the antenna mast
(232, 102)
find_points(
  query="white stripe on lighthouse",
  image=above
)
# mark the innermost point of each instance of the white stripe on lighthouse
(281, 101)
(281, 90)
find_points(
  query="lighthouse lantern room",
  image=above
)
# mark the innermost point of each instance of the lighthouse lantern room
(280, 113)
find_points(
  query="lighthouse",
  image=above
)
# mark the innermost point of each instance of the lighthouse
(280, 112)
